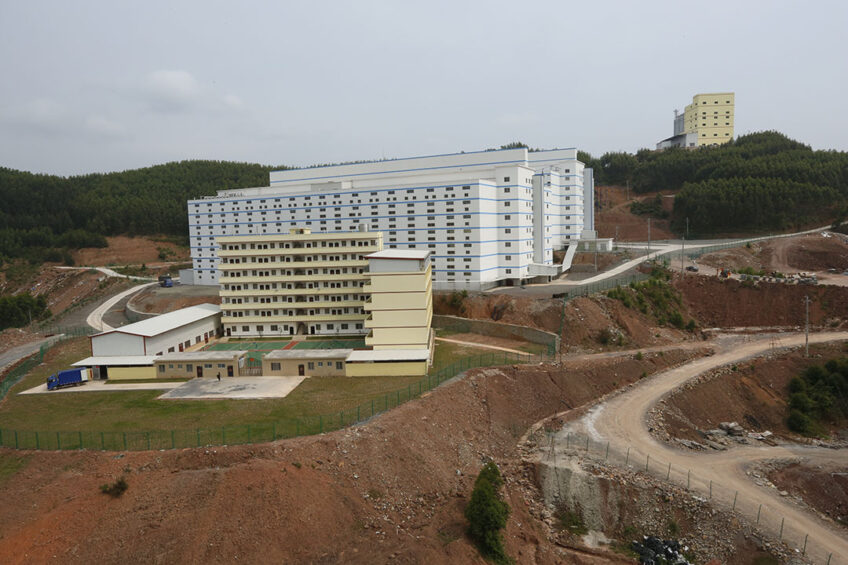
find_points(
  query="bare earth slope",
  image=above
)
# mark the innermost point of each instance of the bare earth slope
(392, 489)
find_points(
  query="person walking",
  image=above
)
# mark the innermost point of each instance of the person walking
(219, 376)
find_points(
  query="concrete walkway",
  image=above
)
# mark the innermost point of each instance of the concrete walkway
(235, 388)
(102, 386)
(484, 346)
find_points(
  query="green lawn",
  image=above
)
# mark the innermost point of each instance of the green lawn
(140, 410)
(138, 420)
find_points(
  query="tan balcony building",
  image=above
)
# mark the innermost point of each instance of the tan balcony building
(300, 283)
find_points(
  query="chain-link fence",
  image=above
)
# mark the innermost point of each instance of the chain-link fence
(601, 286)
(756, 509)
(248, 433)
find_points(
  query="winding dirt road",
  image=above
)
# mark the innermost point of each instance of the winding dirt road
(622, 422)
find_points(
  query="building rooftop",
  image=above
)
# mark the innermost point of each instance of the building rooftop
(167, 322)
(116, 361)
(308, 354)
(223, 355)
(410, 254)
(386, 355)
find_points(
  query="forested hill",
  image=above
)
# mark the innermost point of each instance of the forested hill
(759, 182)
(41, 213)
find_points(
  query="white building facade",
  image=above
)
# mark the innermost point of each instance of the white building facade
(488, 218)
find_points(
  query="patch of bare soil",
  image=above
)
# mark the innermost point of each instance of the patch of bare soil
(807, 253)
(582, 323)
(824, 488)
(729, 303)
(489, 340)
(125, 250)
(754, 395)
(392, 489)
(158, 300)
(614, 219)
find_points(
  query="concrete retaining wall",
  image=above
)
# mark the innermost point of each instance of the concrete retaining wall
(498, 329)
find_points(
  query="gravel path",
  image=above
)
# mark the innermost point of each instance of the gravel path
(621, 421)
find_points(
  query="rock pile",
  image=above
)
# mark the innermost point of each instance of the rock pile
(653, 551)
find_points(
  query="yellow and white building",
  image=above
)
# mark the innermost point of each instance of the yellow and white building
(708, 120)
(299, 283)
(400, 302)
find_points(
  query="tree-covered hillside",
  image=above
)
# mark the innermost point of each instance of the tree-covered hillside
(762, 181)
(41, 214)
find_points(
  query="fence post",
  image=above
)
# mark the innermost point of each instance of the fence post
(79, 435)
(357, 411)
(828, 558)
(734, 500)
(587, 444)
(627, 458)
(647, 461)
(760, 509)
(16, 439)
(372, 404)
(198, 437)
(607, 454)
(780, 537)
(568, 440)
(711, 490)
(102, 442)
(668, 474)
(37, 444)
(804, 551)
(148, 440)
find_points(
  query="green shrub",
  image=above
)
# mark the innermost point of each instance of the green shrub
(487, 514)
(115, 489)
(799, 422)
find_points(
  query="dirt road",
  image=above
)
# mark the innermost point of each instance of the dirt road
(622, 421)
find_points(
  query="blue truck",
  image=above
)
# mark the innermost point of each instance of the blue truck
(68, 377)
(166, 281)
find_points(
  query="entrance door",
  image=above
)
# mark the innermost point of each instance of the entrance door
(229, 370)
(228, 332)
(301, 370)
(199, 371)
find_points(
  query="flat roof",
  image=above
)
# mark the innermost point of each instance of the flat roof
(116, 361)
(389, 355)
(308, 354)
(405, 254)
(167, 322)
(211, 355)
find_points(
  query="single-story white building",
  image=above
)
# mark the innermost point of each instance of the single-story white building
(168, 333)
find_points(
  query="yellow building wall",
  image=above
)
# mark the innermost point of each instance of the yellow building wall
(398, 282)
(399, 338)
(289, 367)
(131, 373)
(398, 318)
(400, 369)
(712, 117)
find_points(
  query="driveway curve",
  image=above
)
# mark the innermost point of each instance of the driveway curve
(622, 422)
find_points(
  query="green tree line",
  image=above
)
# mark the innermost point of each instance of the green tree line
(818, 395)
(760, 181)
(20, 309)
(40, 215)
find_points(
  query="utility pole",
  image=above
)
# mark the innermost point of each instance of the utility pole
(682, 251)
(687, 227)
(807, 326)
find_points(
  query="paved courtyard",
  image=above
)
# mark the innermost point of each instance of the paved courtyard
(234, 387)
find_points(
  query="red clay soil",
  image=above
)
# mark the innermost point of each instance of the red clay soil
(124, 250)
(159, 300)
(808, 253)
(393, 489)
(615, 213)
(754, 395)
(823, 488)
(729, 303)
(582, 320)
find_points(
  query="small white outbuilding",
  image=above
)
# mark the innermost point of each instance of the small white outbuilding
(168, 333)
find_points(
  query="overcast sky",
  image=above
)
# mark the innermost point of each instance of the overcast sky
(104, 86)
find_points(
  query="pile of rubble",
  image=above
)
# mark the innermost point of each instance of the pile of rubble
(653, 550)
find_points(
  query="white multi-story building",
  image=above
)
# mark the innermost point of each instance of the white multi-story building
(488, 218)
